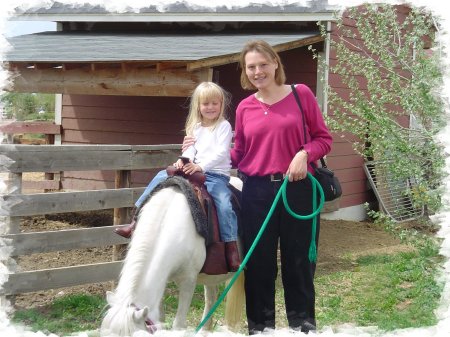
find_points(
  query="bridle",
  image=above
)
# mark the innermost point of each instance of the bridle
(151, 327)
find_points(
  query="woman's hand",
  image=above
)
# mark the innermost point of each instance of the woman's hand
(187, 141)
(298, 168)
(190, 168)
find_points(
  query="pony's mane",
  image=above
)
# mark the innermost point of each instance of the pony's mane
(141, 245)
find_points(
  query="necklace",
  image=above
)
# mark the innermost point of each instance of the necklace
(275, 97)
(265, 107)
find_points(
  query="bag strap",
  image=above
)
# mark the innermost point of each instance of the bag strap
(299, 103)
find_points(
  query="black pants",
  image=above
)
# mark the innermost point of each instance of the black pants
(294, 240)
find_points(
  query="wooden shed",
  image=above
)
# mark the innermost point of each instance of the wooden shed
(124, 78)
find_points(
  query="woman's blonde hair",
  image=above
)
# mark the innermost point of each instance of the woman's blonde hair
(265, 49)
(205, 91)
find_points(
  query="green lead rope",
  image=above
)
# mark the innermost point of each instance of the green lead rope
(312, 255)
(316, 210)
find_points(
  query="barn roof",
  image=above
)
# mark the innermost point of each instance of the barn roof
(69, 47)
(161, 50)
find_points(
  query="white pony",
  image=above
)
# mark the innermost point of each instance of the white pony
(165, 247)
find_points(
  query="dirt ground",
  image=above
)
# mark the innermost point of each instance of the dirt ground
(340, 242)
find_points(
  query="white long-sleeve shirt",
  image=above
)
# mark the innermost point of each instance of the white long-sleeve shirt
(211, 150)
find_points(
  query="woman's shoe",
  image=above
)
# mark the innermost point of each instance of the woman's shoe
(232, 256)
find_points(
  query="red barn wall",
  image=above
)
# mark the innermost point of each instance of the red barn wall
(90, 119)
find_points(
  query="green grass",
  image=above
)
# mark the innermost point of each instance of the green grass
(65, 315)
(196, 310)
(389, 291)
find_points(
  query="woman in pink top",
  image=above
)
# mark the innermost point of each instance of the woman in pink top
(269, 143)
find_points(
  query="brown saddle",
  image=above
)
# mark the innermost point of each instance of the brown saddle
(215, 262)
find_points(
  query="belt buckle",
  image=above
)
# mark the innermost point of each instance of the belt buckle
(276, 177)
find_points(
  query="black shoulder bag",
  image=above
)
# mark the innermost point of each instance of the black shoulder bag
(326, 178)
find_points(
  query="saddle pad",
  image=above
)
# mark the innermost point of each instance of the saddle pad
(196, 210)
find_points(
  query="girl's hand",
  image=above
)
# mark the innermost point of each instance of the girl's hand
(178, 164)
(187, 141)
(298, 168)
(190, 168)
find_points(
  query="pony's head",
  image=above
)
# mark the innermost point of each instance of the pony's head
(123, 319)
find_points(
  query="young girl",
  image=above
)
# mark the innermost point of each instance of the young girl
(211, 155)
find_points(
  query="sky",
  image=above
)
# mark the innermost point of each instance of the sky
(440, 7)
(15, 28)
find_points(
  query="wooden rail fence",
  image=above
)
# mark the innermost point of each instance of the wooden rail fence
(12, 129)
(17, 159)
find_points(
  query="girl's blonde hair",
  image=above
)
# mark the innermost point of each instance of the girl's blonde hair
(205, 91)
(265, 49)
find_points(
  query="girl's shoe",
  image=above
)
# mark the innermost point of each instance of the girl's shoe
(127, 230)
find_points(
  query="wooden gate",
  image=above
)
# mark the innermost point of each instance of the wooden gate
(17, 159)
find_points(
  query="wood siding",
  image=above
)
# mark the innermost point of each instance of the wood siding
(346, 163)
(131, 120)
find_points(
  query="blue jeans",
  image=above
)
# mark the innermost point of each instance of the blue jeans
(217, 186)
(160, 177)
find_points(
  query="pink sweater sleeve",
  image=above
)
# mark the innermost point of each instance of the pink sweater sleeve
(319, 139)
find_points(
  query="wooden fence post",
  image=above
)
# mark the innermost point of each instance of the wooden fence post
(122, 180)
(14, 186)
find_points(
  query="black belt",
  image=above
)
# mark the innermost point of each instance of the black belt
(270, 177)
(276, 176)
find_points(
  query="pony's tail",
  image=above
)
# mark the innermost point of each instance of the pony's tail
(235, 303)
